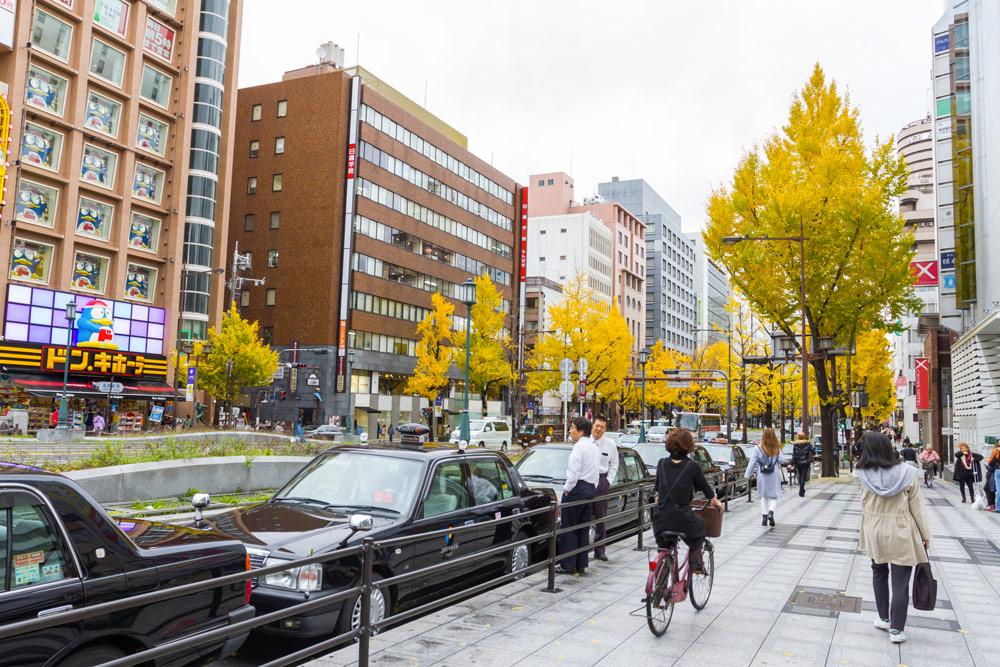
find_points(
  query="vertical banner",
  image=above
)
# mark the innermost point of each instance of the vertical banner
(524, 233)
(922, 369)
(345, 262)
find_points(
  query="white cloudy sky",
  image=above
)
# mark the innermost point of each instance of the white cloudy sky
(669, 91)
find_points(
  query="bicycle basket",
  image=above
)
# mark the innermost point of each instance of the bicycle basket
(711, 516)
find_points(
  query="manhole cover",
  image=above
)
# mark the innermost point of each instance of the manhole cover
(829, 601)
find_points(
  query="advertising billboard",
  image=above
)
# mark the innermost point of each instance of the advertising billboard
(921, 367)
(926, 273)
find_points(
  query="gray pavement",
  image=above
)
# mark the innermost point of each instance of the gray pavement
(750, 619)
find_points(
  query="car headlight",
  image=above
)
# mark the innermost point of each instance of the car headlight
(305, 578)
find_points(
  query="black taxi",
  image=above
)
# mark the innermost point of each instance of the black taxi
(60, 551)
(395, 492)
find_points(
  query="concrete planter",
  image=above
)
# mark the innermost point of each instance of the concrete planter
(168, 479)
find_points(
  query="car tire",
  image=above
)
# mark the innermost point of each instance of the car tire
(352, 609)
(520, 557)
(93, 655)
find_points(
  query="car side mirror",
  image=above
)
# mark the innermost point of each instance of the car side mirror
(361, 522)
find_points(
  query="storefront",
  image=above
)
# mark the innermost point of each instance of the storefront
(116, 365)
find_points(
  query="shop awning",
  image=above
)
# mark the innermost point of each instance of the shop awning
(48, 386)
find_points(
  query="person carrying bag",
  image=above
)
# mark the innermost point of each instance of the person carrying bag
(894, 532)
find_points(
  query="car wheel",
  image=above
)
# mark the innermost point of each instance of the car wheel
(94, 655)
(381, 607)
(520, 556)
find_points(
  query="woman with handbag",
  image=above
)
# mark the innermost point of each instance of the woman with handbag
(766, 460)
(894, 531)
(967, 470)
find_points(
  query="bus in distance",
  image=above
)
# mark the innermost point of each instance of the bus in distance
(702, 424)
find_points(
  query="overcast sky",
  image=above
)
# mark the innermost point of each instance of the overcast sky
(669, 91)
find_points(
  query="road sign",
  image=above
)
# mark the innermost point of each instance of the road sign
(531, 405)
(312, 380)
(566, 366)
(189, 392)
(582, 366)
(583, 389)
(109, 387)
(566, 389)
(279, 374)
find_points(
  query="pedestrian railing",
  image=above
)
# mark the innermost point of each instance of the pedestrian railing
(368, 551)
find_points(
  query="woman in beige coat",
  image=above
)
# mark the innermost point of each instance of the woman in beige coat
(894, 531)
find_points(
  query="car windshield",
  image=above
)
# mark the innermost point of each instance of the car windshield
(720, 453)
(787, 450)
(651, 453)
(544, 464)
(356, 480)
(657, 429)
(476, 425)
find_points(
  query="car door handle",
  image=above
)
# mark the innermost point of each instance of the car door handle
(55, 610)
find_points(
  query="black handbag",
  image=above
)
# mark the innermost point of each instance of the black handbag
(924, 588)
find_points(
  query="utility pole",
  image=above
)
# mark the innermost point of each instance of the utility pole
(241, 263)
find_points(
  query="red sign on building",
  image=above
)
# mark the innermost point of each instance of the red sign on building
(922, 368)
(351, 152)
(926, 273)
(524, 233)
(159, 39)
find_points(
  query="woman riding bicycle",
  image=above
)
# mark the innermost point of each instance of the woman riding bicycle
(677, 478)
(929, 460)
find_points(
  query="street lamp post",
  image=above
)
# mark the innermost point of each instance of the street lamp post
(469, 299)
(63, 403)
(801, 240)
(729, 369)
(349, 423)
(643, 358)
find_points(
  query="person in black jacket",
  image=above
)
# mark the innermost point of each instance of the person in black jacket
(992, 465)
(677, 478)
(802, 458)
(909, 452)
(967, 470)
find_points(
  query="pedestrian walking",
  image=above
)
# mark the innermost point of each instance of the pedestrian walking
(802, 458)
(98, 424)
(392, 432)
(766, 461)
(990, 485)
(582, 475)
(608, 449)
(909, 452)
(967, 470)
(88, 422)
(894, 532)
(676, 481)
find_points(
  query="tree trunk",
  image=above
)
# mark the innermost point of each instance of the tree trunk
(827, 417)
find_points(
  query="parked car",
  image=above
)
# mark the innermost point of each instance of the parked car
(386, 493)
(533, 434)
(613, 435)
(67, 553)
(487, 432)
(324, 431)
(733, 461)
(544, 467)
(657, 433)
(628, 439)
(818, 448)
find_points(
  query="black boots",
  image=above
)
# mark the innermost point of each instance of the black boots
(770, 518)
(763, 519)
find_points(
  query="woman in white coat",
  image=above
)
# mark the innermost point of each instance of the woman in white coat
(766, 460)
(894, 532)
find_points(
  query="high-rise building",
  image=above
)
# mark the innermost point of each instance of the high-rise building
(914, 145)
(327, 145)
(562, 248)
(712, 297)
(967, 41)
(122, 132)
(670, 263)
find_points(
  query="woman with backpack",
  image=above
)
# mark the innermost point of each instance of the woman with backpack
(766, 460)
(894, 532)
(802, 458)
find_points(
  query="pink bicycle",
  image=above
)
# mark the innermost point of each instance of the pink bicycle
(671, 581)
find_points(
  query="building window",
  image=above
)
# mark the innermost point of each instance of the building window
(562, 258)
(275, 219)
(107, 62)
(254, 148)
(248, 222)
(256, 111)
(252, 185)
(276, 183)
(541, 259)
(282, 108)
(51, 35)
(562, 231)
(551, 182)
(279, 145)
(267, 335)
(272, 259)
(245, 298)
(269, 296)
(541, 182)
(155, 86)
(541, 232)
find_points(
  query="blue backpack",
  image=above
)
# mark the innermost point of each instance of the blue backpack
(768, 463)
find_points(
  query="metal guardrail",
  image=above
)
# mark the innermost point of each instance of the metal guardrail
(366, 584)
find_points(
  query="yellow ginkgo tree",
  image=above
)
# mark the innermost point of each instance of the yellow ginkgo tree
(435, 352)
(490, 345)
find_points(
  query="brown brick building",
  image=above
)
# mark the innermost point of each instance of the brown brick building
(426, 215)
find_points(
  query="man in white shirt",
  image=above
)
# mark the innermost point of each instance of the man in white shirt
(582, 475)
(608, 470)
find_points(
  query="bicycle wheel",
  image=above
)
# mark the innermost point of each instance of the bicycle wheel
(659, 606)
(700, 585)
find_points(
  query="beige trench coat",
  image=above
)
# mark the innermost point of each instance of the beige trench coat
(893, 528)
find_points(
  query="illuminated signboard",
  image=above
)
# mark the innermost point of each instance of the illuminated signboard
(82, 361)
(37, 315)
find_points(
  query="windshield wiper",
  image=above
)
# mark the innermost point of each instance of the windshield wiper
(294, 499)
(364, 508)
(541, 478)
